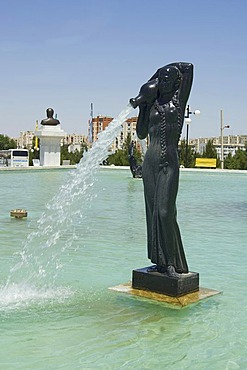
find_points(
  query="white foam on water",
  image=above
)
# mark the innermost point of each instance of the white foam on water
(40, 257)
(17, 296)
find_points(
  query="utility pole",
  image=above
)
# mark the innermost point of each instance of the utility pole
(222, 139)
(91, 125)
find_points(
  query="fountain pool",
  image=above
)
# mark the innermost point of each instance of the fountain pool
(75, 322)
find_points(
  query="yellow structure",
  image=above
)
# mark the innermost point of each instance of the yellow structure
(174, 302)
(36, 139)
(18, 213)
(206, 162)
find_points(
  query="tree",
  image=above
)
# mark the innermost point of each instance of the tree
(6, 142)
(238, 161)
(121, 156)
(229, 162)
(182, 155)
(33, 153)
(74, 157)
(211, 152)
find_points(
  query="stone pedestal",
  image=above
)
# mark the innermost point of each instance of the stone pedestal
(50, 145)
(173, 302)
(164, 284)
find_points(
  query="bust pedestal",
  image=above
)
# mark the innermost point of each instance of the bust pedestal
(50, 145)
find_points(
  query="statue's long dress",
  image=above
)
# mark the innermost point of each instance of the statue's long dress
(160, 188)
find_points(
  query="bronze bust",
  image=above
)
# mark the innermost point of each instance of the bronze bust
(50, 121)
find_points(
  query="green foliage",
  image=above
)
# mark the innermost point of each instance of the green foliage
(210, 151)
(182, 155)
(118, 158)
(6, 142)
(121, 156)
(238, 161)
(126, 144)
(34, 153)
(75, 157)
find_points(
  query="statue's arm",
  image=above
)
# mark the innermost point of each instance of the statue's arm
(186, 70)
(143, 121)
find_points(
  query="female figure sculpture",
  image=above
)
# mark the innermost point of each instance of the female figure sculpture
(162, 101)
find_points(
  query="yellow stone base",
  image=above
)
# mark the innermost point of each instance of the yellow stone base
(183, 301)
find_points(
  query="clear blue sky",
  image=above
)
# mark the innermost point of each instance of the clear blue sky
(67, 54)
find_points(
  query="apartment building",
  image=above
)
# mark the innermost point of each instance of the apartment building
(128, 128)
(75, 139)
(25, 140)
(231, 144)
(99, 124)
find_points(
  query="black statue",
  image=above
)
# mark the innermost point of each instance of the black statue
(50, 121)
(162, 101)
(135, 168)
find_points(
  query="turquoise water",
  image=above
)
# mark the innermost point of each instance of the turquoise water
(66, 318)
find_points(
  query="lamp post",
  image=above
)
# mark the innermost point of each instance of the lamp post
(221, 135)
(188, 121)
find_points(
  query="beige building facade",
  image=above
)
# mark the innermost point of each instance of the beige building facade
(231, 144)
(99, 124)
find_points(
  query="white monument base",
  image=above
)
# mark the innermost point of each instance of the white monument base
(50, 145)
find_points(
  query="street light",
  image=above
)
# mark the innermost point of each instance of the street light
(188, 121)
(221, 135)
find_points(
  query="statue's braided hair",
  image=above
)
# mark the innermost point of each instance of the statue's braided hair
(180, 121)
(162, 112)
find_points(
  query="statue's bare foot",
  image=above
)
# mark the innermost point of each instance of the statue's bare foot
(161, 269)
(172, 272)
(152, 268)
(157, 268)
